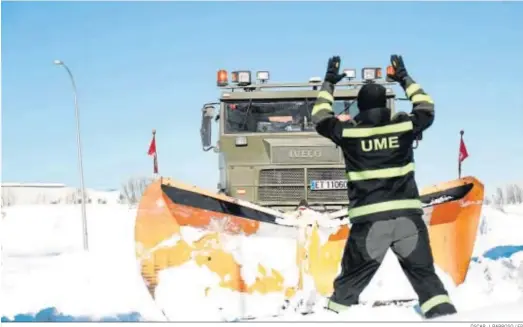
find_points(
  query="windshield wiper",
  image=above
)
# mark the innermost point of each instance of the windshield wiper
(247, 113)
(347, 107)
(304, 120)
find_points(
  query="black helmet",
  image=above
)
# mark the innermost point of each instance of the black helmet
(372, 96)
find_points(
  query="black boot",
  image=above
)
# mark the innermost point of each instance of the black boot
(442, 309)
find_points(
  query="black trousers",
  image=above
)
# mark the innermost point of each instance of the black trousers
(365, 250)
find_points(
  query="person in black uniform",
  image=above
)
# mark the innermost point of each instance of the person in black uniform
(384, 204)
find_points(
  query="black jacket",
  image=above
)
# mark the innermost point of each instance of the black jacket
(378, 152)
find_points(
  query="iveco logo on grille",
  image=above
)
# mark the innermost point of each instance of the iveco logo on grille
(296, 153)
(305, 153)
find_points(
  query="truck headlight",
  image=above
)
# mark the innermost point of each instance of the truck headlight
(262, 76)
(241, 77)
(371, 73)
(350, 73)
(241, 141)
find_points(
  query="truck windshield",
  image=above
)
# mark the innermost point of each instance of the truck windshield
(278, 115)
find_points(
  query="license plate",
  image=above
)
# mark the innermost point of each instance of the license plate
(338, 184)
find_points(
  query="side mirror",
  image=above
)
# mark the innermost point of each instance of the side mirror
(206, 128)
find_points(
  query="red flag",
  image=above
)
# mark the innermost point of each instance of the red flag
(152, 147)
(152, 152)
(463, 153)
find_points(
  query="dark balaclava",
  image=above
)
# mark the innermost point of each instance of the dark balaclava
(372, 96)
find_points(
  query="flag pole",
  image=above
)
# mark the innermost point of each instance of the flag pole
(459, 159)
(155, 159)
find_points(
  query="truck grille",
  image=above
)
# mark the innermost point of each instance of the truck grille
(281, 193)
(326, 196)
(282, 176)
(325, 173)
(282, 185)
(291, 184)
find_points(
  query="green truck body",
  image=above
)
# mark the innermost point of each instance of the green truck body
(269, 152)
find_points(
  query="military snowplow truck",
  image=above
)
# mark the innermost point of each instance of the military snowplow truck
(248, 233)
(269, 152)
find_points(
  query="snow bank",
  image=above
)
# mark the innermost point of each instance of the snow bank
(44, 269)
(487, 281)
(44, 266)
(499, 228)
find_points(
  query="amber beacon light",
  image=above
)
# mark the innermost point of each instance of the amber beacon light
(390, 70)
(221, 78)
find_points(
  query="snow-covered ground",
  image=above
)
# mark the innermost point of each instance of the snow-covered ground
(43, 265)
(47, 277)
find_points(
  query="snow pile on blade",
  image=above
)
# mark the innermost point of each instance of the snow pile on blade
(214, 248)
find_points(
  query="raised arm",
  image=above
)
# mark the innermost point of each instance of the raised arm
(422, 114)
(323, 116)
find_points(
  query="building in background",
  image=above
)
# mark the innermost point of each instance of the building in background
(51, 193)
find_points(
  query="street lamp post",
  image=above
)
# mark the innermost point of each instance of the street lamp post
(79, 147)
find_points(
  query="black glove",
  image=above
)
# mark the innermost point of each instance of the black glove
(400, 72)
(333, 71)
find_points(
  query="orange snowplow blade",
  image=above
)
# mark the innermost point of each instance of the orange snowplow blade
(161, 219)
(453, 224)
(169, 210)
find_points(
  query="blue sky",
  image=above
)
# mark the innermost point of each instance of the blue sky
(141, 65)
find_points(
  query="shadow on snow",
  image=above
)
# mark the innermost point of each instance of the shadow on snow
(52, 315)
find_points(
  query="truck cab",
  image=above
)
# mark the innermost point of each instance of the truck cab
(269, 151)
